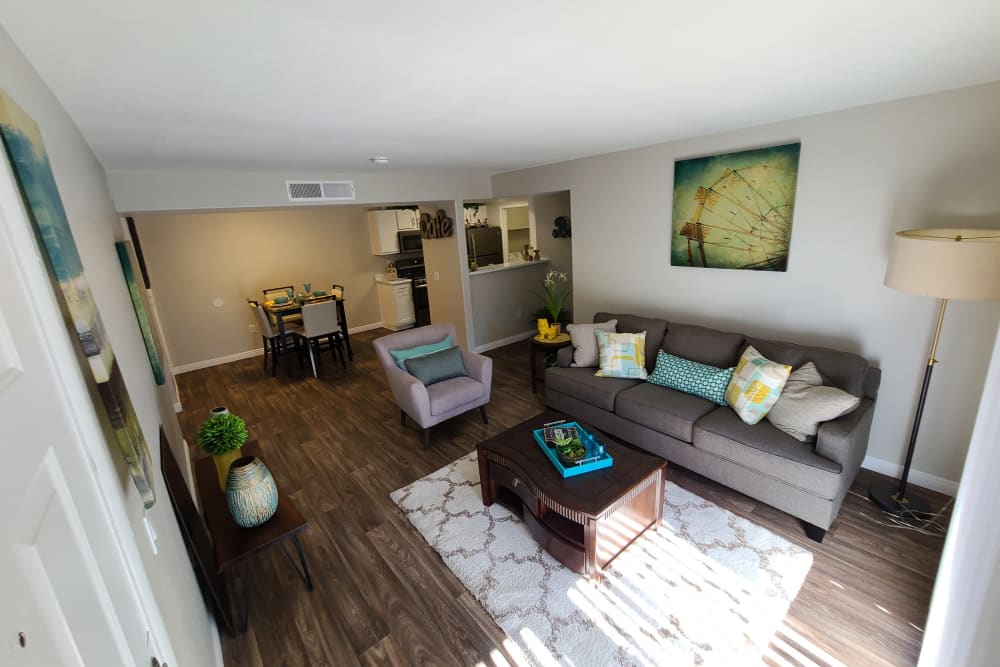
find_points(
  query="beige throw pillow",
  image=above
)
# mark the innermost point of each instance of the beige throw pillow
(584, 340)
(805, 403)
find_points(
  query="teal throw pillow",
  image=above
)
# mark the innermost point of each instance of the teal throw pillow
(691, 377)
(437, 366)
(402, 355)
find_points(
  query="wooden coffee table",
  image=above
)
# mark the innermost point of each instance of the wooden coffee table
(583, 521)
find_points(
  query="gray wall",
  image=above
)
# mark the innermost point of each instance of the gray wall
(503, 302)
(138, 191)
(864, 174)
(96, 227)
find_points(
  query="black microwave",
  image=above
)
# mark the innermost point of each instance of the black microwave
(410, 241)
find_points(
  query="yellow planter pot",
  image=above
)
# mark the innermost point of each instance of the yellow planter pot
(222, 463)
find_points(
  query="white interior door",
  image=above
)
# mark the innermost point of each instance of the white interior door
(66, 596)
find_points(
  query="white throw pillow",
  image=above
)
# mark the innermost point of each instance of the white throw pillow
(585, 351)
(805, 403)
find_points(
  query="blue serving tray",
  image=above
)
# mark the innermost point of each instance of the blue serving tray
(589, 442)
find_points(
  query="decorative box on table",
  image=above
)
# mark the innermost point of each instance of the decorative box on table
(596, 456)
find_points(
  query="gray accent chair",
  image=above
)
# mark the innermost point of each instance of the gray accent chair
(806, 480)
(433, 404)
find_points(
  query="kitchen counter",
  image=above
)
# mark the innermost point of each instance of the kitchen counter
(507, 266)
(381, 278)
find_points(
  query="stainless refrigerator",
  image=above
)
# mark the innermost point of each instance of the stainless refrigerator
(485, 245)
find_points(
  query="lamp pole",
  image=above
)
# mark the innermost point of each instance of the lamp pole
(899, 503)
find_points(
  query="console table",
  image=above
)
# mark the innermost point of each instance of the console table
(234, 545)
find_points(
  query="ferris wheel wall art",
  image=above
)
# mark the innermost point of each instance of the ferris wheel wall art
(734, 211)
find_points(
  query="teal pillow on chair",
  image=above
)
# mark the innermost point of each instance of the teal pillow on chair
(691, 377)
(437, 366)
(402, 355)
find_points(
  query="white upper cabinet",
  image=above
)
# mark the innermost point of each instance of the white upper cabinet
(407, 219)
(382, 232)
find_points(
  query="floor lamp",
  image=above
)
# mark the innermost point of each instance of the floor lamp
(946, 264)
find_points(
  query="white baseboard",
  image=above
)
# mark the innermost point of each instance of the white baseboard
(365, 327)
(926, 480)
(198, 365)
(485, 347)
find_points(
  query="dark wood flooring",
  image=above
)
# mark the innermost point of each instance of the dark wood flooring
(383, 596)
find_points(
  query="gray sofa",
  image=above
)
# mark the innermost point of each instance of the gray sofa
(806, 480)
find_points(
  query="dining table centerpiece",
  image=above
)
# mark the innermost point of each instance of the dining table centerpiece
(222, 436)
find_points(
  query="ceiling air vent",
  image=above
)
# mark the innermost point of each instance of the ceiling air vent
(302, 191)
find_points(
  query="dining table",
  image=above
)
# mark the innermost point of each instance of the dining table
(279, 311)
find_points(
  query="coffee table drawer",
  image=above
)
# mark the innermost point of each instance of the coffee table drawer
(506, 478)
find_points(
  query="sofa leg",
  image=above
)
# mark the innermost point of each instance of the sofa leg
(427, 438)
(814, 533)
(482, 412)
(402, 418)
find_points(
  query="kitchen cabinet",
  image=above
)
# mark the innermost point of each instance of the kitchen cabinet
(383, 233)
(407, 220)
(395, 300)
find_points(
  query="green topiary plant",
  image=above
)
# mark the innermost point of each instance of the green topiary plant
(222, 434)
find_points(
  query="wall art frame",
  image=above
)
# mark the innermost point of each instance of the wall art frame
(29, 160)
(734, 210)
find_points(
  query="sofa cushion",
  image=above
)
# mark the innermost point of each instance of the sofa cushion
(585, 352)
(756, 385)
(665, 410)
(654, 329)
(691, 377)
(763, 448)
(707, 346)
(840, 369)
(805, 403)
(621, 355)
(450, 394)
(582, 384)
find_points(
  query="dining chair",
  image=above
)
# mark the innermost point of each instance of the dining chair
(319, 321)
(335, 287)
(272, 292)
(272, 339)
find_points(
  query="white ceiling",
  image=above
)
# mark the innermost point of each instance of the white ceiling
(325, 85)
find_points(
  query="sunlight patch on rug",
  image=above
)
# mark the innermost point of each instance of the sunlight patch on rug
(707, 588)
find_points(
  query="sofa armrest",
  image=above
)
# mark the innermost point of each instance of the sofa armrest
(845, 439)
(410, 394)
(480, 368)
(564, 356)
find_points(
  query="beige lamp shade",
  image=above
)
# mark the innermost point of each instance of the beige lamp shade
(946, 263)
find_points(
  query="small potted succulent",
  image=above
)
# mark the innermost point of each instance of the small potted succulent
(222, 436)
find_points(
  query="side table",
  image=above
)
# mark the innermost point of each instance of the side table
(234, 545)
(548, 346)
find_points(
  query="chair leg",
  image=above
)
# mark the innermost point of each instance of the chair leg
(312, 359)
(402, 418)
(427, 438)
(340, 353)
(482, 413)
(276, 350)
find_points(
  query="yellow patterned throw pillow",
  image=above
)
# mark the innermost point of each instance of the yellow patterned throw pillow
(756, 385)
(622, 355)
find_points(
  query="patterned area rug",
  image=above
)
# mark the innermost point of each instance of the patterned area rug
(708, 588)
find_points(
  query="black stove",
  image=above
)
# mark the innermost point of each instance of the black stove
(413, 268)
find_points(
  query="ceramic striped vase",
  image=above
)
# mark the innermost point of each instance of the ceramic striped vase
(251, 494)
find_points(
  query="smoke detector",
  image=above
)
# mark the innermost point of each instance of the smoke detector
(379, 159)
